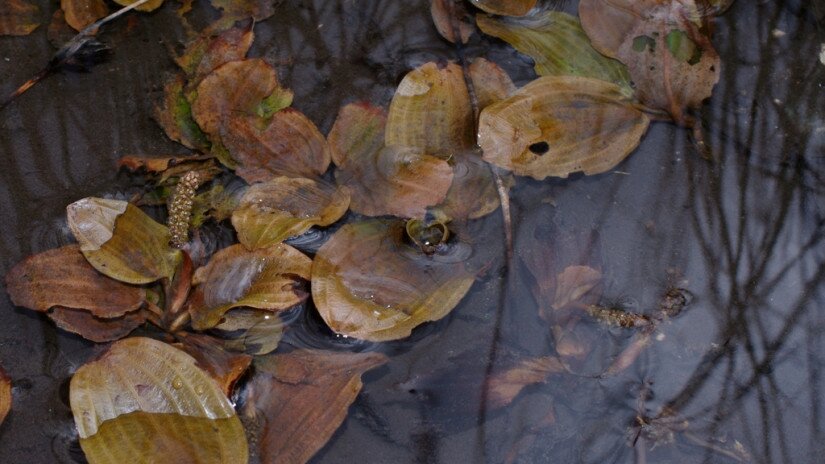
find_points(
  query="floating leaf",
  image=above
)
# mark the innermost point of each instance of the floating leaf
(81, 13)
(5, 395)
(505, 7)
(225, 368)
(251, 331)
(503, 387)
(431, 111)
(284, 207)
(267, 278)
(174, 114)
(63, 277)
(369, 284)
(358, 133)
(558, 45)
(300, 398)
(445, 13)
(97, 329)
(151, 5)
(164, 168)
(210, 51)
(288, 144)
(573, 283)
(558, 125)
(472, 193)
(121, 241)
(609, 22)
(18, 17)
(491, 83)
(145, 401)
(234, 10)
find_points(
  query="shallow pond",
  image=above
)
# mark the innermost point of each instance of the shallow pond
(739, 373)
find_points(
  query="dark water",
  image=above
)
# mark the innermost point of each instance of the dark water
(744, 364)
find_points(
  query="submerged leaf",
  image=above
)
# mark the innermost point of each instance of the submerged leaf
(251, 331)
(268, 278)
(81, 13)
(225, 368)
(5, 395)
(472, 193)
(358, 133)
(445, 14)
(151, 5)
(94, 328)
(369, 284)
(555, 126)
(63, 277)
(503, 387)
(300, 398)
(573, 283)
(121, 241)
(145, 401)
(505, 7)
(558, 45)
(431, 111)
(491, 83)
(18, 17)
(609, 22)
(284, 207)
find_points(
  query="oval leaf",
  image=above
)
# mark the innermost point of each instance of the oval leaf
(556, 126)
(95, 328)
(368, 284)
(121, 241)
(445, 14)
(81, 13)
(267, 278)
(284, 207)
(18, 17)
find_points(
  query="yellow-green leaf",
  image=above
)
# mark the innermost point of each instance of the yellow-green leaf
(151, 5)
(558, 125)
(121, 241)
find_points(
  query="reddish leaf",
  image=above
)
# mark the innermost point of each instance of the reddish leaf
(226, 368)
(18, 17)
(81, 13)
(449, 14)
(94, 328)
(504, 386)
(63, 277)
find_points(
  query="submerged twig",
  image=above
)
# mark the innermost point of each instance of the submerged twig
(80, 53)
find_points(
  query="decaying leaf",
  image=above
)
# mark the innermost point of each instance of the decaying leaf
(449, 14)
(174, 115)
(63, 277)
(225, 368)
(18, 17)
(558, 45)
(145, 401)
(94, 328)
(505, 7)
(300, 398)
(268, 278)
(472, 193)
(81, 13)
(573, 283)
(431, 110)
(151, 5)
(491, 83)
(283, 207)
(5, 395)
(558, 125)
(369, 284)
(210, 51)
(287, 144)
(392, 180)
(504, 386)
(608, 22)
(234, 10)
(167, 167)
(251, 331)
(121, 241)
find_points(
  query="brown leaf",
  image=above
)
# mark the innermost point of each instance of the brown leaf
(210, 51)
(268, 278)
(491, 83)
(431, 111)
(358, 133)
(63, 277)
(558, 125)
(473, 192)
(503, 387)
(94, 328)
(174, 115)
(505, 7)
(288, 144)
(151, 5)
(225, 368)
(172, 166)
(18, 17)
(573, 283)
(81, 13)
(446, 13)
(300, 398)
(5, 395)
(609, 22)
(59, 32)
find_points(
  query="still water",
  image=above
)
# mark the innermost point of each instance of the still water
(738, 375)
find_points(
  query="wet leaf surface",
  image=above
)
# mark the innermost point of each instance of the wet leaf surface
(447, 14)
(151, 5)
(225, 368)
(63, 277)
(174, 114)
(505, 7)
(506, 385)
(94, 328)
(491, 83)
(121, 241)
(18, 17)
(609, 22)
(472, 193)
(369, 284)
(234, 10)
(145, 401)
(358, 133)
(300, 398)
(267, 278)
(210, 51)
(558, 125)
(5, 395)
(81, 13)
(558, 45)
(251, 331)
(283, 207)
(573, 283)
(431, 111)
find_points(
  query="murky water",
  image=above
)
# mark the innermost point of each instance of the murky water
(741, 369)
